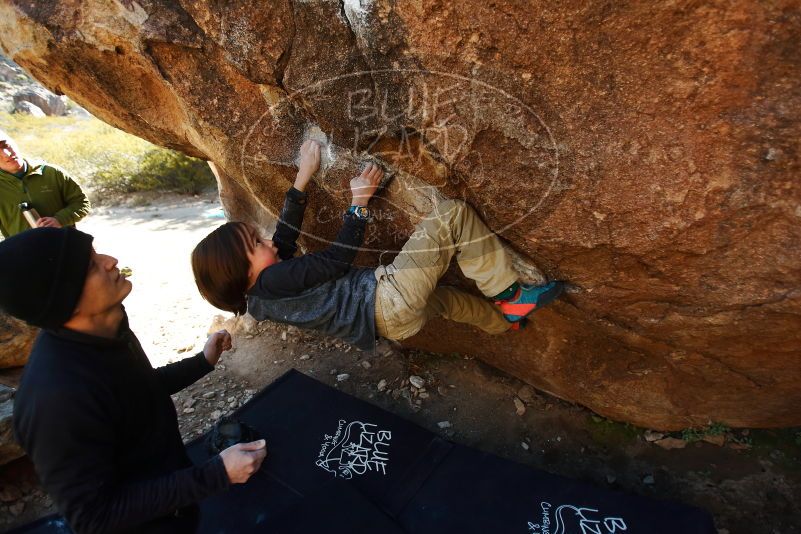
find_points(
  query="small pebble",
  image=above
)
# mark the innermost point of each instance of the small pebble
(342, 377)
(525, 445)
(417, 381)
(382, 385)
(366, 364)
(649, 480)
(209, 394)
(305, 357)
(444, 424)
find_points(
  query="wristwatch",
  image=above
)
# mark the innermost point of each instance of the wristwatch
(361, 212)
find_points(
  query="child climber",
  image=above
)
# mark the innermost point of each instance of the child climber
(238, 271)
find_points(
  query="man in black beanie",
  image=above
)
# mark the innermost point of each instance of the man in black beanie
(91, 412)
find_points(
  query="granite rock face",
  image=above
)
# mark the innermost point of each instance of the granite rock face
(648, 154)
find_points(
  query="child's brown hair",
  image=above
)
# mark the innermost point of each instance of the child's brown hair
(220, 264)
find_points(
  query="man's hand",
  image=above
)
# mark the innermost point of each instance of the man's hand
(309, 163)
(217, 343)
(48, 222)
(363, 187)
(243, 459)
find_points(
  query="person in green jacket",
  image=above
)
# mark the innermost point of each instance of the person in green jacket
(55, 196)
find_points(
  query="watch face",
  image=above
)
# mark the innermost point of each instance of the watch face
(363, 212)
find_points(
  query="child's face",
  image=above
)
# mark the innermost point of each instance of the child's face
(263, 253)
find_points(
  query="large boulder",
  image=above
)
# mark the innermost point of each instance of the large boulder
(9, 448)
(16, 341)
(26, 108)
(646, 153)
(47, 102)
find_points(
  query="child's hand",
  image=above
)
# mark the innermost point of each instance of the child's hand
(217, 343)
(363, 187)
(309, 163)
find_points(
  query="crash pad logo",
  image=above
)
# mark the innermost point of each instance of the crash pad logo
(569, 519)
(354, 449)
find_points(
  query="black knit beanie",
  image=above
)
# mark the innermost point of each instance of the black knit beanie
(42, 272)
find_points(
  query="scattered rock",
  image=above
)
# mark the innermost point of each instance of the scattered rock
(442, 391)
(525, 445)
(649, 480)
(520, 407)
(16, 508)
(189, 410)
(365, 364)
(417, 381)
(651, 436)
(718, 440)
(382, 385)
(304, 357)
(611, 479)
(444, 424)
(216, 414)
(342, 377)
(9, 448)
(209, 394)
(671, 443)
(9, 493)
(423, 395)
(526, 394)
(739, 446)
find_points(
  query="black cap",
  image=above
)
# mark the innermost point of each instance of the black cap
(42, 272)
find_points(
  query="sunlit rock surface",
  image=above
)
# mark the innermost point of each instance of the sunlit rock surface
(646, 153)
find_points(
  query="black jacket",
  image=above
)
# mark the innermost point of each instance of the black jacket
(99, 424)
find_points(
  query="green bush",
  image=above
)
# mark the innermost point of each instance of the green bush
(167, 169)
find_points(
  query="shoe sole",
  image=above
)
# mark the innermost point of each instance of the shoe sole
(545, 298)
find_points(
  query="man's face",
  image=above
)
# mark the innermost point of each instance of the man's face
(10, 158)
(104, 288)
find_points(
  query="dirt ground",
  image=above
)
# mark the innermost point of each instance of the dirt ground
(750, 480)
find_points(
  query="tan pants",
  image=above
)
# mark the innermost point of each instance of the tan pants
(407, 295)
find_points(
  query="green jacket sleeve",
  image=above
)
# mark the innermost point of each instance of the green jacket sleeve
(76, 204)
